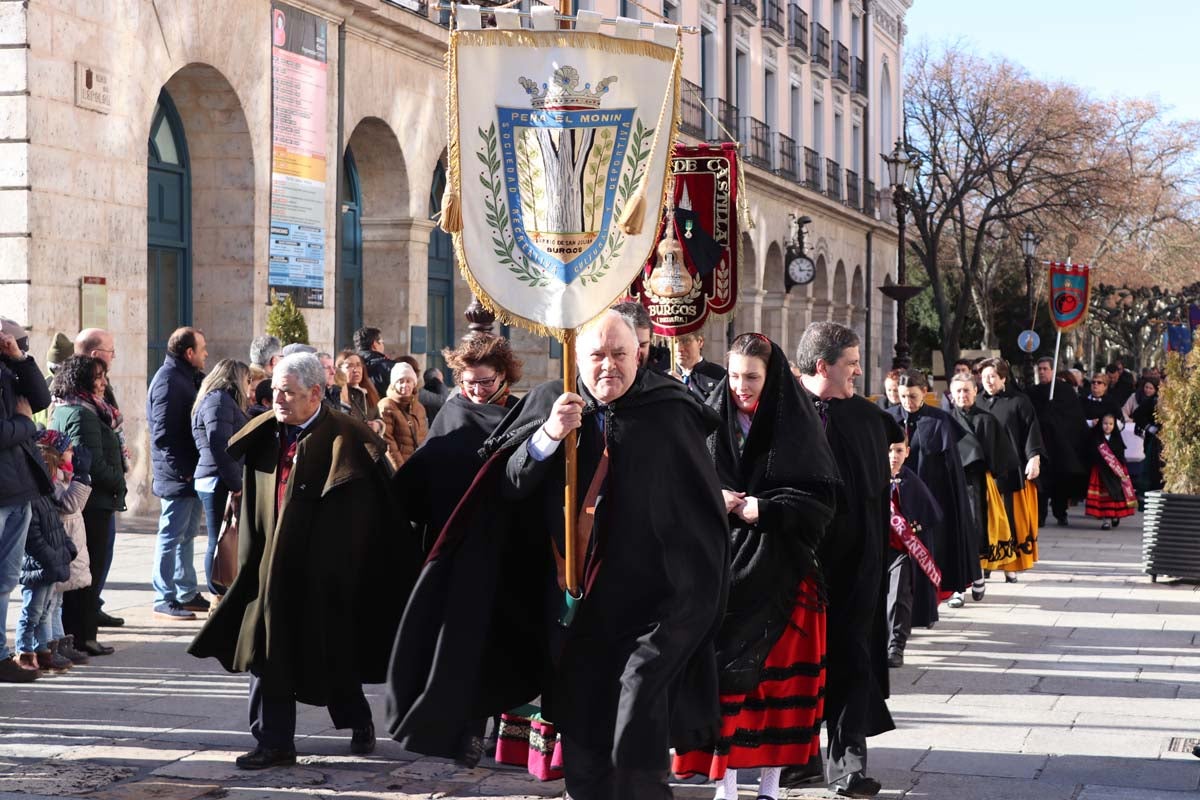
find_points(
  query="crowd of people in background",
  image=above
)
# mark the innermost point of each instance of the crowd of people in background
(812, 530)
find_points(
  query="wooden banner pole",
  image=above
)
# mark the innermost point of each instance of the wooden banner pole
(570, 512)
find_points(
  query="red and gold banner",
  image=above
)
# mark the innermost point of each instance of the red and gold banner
(1070, 287)
(680, 296)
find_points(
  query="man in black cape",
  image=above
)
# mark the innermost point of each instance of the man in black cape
(853, 556)
(1065, 433)
(933, 439)
(635, 670)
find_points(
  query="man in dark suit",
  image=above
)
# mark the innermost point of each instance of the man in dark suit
(699, 375)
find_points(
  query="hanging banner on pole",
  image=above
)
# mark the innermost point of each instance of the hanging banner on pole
(299, 76)
(559, 145)
(679, 297)
(1070, 288)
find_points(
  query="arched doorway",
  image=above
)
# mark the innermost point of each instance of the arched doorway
(440, 330)
(169, 232)
(348, 303)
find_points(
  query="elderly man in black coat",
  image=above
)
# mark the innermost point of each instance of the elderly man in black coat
(634, 670)
(1064, 429)
(322, 567)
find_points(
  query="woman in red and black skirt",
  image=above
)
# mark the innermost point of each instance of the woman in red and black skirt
(1110, 495)
(778, 477)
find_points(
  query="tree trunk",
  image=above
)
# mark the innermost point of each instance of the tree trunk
(565, 159)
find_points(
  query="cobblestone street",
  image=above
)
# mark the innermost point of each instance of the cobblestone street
(1073, 684)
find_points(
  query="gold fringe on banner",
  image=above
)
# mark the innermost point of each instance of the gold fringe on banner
(451, 218)
(564, 39)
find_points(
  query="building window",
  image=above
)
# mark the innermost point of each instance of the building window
(838, 144)
(671, 11)
(769, 90)
(818, 137)
(628, 9)
(797, 114)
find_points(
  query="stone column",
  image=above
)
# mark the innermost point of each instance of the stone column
(396, 278)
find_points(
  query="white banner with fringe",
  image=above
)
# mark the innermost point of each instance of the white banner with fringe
(559, 159)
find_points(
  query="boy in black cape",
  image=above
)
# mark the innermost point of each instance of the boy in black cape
(853, 556)
(635, 672)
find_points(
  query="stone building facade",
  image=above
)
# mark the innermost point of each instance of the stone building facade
(135, 145)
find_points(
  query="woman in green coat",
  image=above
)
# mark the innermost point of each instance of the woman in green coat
(79, 411)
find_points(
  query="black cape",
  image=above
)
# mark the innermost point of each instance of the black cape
(787, 464)
(985, 448)
(636, 670)
(853, 557)
(1109, 479)
(1017, 416)
(933, 455)
(1065, 434)
(436, 476)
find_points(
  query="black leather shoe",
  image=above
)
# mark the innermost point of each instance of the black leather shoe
(856, 784)
(94, 648)
(265, 758)
(896, 659)
(795, 777)
(471, 753)
(109, 621)
(362, 740)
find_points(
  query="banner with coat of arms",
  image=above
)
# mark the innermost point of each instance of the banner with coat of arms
(680, 292)
(1070, 288)
(558, 140)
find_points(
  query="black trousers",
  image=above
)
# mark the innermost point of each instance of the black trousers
(273, 714)
(591, 776)
(81, 606)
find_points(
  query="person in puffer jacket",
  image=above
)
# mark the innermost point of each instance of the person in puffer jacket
(48, 555)
(70, 496)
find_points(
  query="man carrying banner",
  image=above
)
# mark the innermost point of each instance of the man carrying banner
(635, 671)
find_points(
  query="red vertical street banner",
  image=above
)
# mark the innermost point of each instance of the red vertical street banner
(299, 77)
(680, 292)
(1070, 288)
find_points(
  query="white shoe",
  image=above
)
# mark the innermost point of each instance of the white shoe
(956, 600)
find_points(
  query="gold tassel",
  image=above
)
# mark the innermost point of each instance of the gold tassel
(451, 220)
(633, 216)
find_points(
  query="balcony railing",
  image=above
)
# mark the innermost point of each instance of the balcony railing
(868, 198)
(416, 6)
(727, 113)
(812, 169)
(820, 45)
(773, 17)
(757, 139)
(797, 27)
(859, 77)
(749, 5)
(852, 194)
(692, 117)
(785, 157)
(841, 63)
(833, 179)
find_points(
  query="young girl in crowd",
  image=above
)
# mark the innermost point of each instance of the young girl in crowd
(1110, 493)
(49, 551)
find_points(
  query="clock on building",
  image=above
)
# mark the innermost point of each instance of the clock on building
(800, 270)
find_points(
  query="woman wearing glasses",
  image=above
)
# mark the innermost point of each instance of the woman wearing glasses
(359, 397)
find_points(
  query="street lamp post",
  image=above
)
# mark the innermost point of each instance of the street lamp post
(902, 172)
(1029, 244)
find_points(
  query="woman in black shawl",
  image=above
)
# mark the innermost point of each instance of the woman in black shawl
(778, 478)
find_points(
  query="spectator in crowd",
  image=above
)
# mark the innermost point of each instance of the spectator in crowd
(369, 344)
(297, 347)
(1121, 381)
(699, 375)
(75, 465)
(333, 390)
(48, 555)
(636, 313)
(265, 352)
(81, 412)
(218, 413)
(403, 416)
(433, 393)
(310, 615)
(23, 476)
(262, 398)
(173, 458)
(60, 350)
(99, 343)
(1145, 424)
(359, 398)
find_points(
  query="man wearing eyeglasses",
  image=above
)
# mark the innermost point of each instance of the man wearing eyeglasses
(99, 343)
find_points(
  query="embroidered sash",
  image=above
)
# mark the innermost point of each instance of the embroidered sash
(903, 535)
(1119, 470)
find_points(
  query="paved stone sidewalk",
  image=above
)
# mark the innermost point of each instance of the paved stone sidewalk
(1070, 685)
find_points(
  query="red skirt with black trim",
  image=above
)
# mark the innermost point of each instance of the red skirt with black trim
(1100, 501)
(778, 724)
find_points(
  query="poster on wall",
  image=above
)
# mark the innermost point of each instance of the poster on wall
(299, 75)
